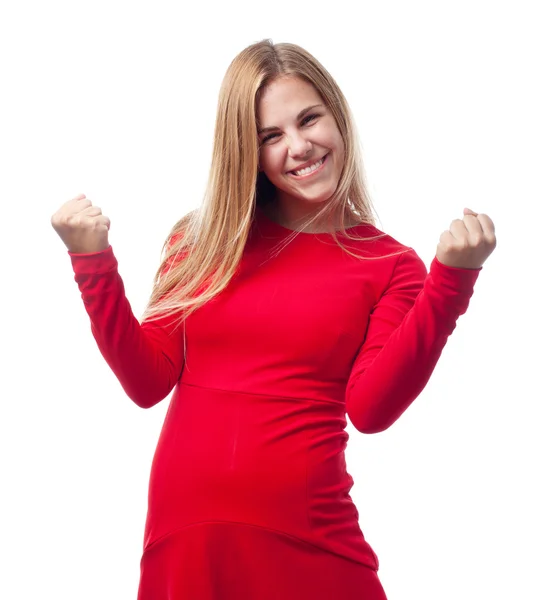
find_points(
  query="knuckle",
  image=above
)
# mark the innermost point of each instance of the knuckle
(74, 220)
(476, 240)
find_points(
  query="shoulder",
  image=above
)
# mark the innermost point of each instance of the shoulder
(186, 223)
(390, 254)
(375, 240)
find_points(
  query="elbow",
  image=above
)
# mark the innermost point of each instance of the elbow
(145, 400)
(370, 426)
(371, 430)
(367, 420)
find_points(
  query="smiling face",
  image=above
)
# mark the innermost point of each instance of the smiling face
(301, 149)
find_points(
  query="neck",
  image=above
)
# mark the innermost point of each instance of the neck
(293, 216)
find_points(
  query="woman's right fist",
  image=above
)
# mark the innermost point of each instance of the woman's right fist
(82, 226)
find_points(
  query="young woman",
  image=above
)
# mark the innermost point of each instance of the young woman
(279, 308)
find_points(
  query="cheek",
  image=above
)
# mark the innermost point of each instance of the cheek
(272, 162)
(336, 140)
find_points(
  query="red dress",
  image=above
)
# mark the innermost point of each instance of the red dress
(249, 495)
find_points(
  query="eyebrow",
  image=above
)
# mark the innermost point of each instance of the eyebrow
(298, 117)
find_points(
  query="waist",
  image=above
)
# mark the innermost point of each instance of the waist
(270, 461)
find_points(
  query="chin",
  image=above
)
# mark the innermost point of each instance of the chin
(319, 198)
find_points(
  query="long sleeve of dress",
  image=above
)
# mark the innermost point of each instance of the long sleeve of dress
(408, 329)
(146, 358)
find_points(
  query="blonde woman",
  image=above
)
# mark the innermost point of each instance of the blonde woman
(279, 308)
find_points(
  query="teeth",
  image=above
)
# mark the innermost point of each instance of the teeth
(309, 169)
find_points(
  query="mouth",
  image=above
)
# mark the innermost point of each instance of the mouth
(311, 170)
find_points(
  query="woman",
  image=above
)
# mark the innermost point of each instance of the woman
(278, 309)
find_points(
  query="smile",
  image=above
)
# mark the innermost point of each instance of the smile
(309, 171)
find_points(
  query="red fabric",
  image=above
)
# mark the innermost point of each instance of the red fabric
(243, 562)
(249, 488)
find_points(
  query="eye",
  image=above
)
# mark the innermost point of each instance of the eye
(269, 137)
(309, 118)
(305, 121)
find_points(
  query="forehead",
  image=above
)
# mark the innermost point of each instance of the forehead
(283, 98)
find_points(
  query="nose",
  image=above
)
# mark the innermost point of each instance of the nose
(298, 146)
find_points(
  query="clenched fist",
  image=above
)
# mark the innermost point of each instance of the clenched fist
(82, 226)
(468, 243)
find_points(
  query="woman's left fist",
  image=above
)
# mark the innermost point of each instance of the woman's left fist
(468, 243)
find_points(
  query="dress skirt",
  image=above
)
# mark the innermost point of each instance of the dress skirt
(232, 561)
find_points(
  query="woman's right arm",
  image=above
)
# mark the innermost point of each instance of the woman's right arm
(146, 358)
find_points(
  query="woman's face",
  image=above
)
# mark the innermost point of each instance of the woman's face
(296, 130)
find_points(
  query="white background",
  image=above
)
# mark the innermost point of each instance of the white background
(117, 100)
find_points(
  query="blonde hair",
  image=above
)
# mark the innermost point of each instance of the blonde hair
(204, 248)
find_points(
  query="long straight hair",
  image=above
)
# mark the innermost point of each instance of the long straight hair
(203, 249)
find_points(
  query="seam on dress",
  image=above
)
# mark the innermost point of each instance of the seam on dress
(200, 387)
(218, 522)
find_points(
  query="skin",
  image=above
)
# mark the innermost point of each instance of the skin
(468, 242)
(293, 141)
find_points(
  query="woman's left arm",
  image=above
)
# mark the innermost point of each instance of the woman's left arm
(411, 323)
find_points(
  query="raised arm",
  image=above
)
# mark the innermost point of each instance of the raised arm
(412, 321)
(407, 332)
(147, 359)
